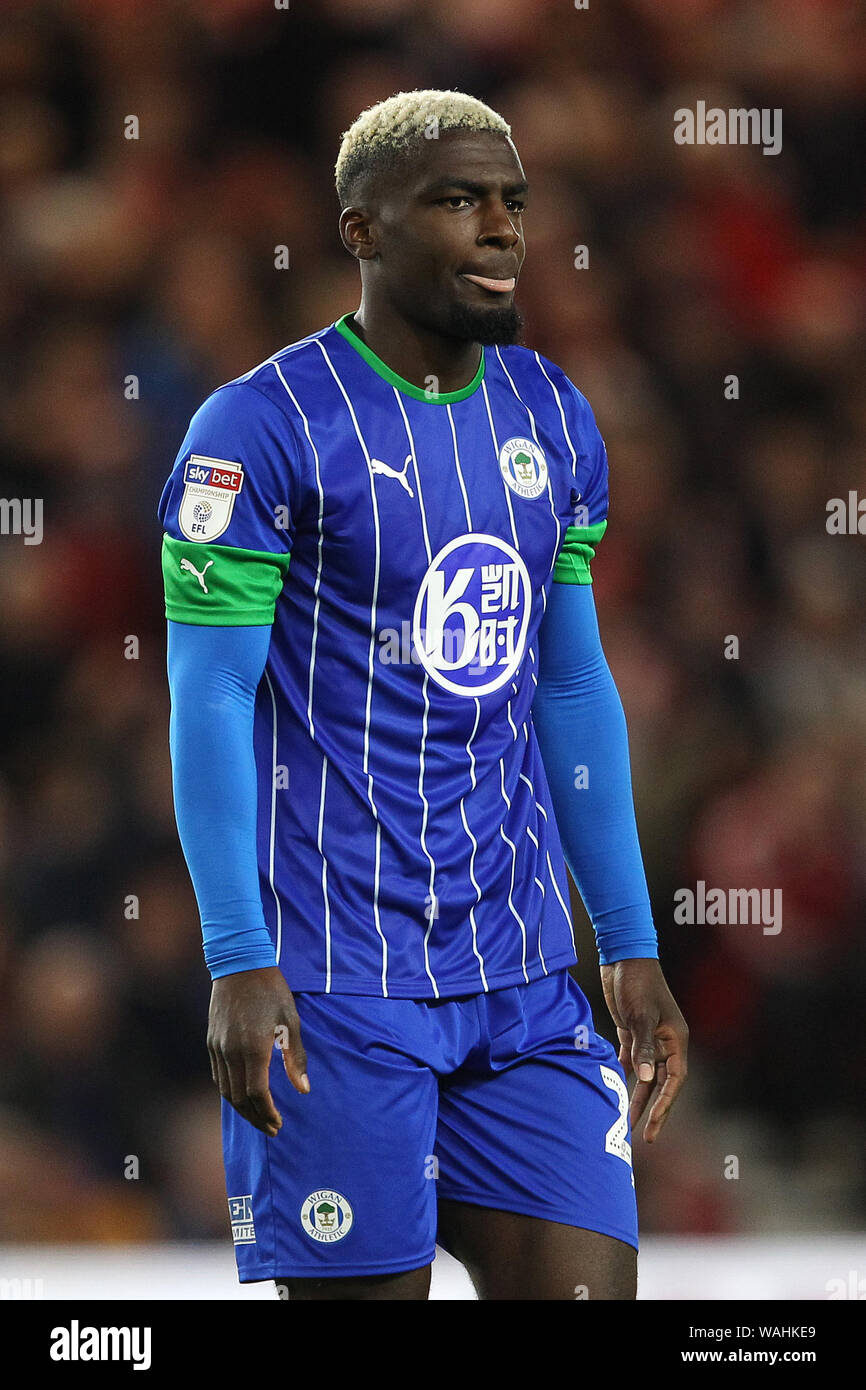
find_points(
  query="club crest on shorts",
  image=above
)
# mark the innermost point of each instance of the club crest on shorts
(524, 467)
(327, 1216)
(210, 489)
(472, 613)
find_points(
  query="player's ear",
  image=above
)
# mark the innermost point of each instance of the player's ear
(357, 233)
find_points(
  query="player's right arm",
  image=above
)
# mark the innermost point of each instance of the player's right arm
(579, 720)
(224, 562)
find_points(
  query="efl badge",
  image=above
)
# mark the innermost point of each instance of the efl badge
(211, 486)
(472, 613)
(326, 1216)
(524, 467)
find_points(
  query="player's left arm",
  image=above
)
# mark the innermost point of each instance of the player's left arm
(580, 724)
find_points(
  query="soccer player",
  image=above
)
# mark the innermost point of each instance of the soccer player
(392, 725)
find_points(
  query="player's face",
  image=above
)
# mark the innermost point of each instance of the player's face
(450, 240)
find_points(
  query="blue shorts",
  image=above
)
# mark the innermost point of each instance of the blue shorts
(508, 1099)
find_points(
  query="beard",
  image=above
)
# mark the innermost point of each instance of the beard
(476, 324)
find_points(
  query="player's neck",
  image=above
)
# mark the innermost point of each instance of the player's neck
(414, 353)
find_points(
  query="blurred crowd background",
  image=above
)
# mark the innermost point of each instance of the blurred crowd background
(153, 259)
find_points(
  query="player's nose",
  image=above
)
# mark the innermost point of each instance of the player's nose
(500, 229)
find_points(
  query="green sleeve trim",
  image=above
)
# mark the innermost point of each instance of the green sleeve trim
(578, 550)
(242, 585)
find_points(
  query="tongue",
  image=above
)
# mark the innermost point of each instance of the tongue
(501, 285)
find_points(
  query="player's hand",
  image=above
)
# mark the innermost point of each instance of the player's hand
(251, 1013)
(653, 1036)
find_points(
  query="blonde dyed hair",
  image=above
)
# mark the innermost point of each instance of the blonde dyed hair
(384, 132)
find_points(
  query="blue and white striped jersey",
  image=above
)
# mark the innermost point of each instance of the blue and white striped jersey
(403, 544)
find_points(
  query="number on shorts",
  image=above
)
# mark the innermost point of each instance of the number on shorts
(616, 1139)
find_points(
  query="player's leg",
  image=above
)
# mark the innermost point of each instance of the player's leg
(536, 1194)
(413, 1285)
(511, 1256)
(339, 1203)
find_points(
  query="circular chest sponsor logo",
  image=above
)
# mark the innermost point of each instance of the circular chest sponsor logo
(471, 614)
(327, 1216)
(524, 467)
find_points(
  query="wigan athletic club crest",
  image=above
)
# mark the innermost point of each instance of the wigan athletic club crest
(524, 467)
(472, 613)
(326, 1216)
(210, 489)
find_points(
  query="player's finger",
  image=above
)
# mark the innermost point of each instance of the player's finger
(222, 1076)
(261, 1110)
(232, 1082)
(214, 1073)
(655, 1092)
(288, 1038)
(643, 1048)
(658, 1114)
(625, 1051)
(675, 1075)
(640, 1096)
(235, 1064)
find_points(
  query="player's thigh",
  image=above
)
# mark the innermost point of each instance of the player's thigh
(411, 1286)
(512, 1256)
(537, 1139)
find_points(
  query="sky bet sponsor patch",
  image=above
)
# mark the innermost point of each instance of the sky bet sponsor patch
(210, 489)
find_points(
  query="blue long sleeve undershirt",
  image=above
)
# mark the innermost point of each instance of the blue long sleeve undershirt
(213, 675)
(580, 723)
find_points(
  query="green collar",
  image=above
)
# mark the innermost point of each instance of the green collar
(431, 397)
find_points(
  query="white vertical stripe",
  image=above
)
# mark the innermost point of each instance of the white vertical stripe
(559, 531)
(556, 549)
(505, 487)
(272, 838)
(540, 920)
(376, 901)
(476, 885)
(325, 877)
(513, 848)
(528, 781)
(561, 416)
(559, 526)
(459, 469)
(539, 807)
(534, 839)
(373, 605)
(557, 892)
(507, 491)
(319, 561)
(313, 646)
(421, 752)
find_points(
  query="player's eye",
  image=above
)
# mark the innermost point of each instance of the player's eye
(516, 205)
(454, 198)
